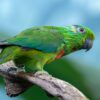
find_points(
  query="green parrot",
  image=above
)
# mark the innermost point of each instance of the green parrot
(37, 46)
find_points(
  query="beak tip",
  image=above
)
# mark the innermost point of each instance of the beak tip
(88, 44)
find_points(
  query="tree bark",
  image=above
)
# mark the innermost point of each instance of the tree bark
(54, 86)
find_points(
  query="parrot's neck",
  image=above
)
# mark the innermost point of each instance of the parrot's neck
(71, 47)
(72, 43)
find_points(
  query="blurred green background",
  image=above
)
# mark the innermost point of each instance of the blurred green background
(82, 69)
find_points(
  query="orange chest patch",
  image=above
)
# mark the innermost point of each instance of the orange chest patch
(60, 54)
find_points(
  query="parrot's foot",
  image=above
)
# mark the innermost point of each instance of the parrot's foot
(21, 68)
(43, 72)
(12, 70)
(39, 73)
(35, 71)
(15, 69)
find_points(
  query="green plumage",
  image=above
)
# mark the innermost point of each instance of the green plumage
(37, 46)
(46, 38)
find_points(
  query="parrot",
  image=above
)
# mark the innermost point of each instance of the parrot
(37, 46)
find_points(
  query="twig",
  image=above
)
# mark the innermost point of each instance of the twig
(56, 87)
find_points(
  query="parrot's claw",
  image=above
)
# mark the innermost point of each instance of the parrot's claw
(43, 72)
(12, 70)
(15, 69)
(20, 68)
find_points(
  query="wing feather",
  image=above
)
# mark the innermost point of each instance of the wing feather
(45, 38)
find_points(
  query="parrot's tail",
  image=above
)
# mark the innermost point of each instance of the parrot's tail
(0, 50)
(15, 87)
(2, 46)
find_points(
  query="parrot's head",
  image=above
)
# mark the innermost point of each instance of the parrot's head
(79, 37)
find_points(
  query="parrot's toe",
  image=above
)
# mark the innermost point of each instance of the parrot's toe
(12, 70)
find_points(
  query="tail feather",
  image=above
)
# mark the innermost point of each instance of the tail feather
(14, 87)
(3, 44)
(0, 50)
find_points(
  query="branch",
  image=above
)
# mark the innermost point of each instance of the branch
(56, 87)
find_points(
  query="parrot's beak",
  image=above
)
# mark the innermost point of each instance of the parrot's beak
(88, 44)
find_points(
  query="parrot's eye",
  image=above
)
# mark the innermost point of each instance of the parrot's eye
(81, 30)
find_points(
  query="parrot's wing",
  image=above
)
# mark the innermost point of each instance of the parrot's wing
(46, 39)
